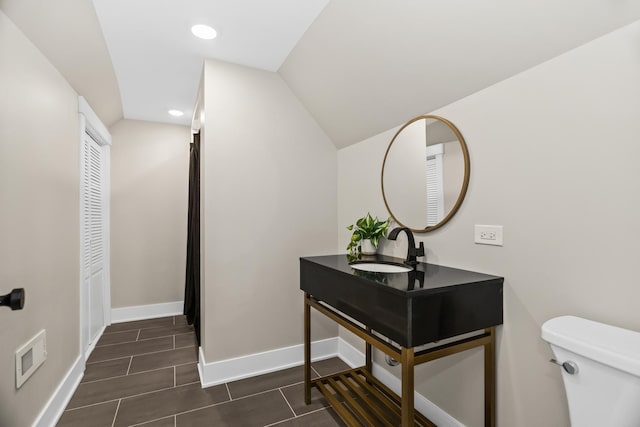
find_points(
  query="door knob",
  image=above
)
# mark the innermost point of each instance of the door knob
(14, 299)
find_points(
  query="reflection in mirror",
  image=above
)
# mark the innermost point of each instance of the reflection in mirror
(425, 173)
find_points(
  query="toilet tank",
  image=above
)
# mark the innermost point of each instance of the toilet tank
(606, 389)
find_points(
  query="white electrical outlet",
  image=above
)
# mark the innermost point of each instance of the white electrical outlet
(488, 235)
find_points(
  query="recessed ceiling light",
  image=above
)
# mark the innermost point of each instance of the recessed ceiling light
(204, 32)
(176, 113)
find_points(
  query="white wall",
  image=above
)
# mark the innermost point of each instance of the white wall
(554, 158)
(70, 37)
(149, 198)
(39, 220)
(404, 174)
(269, 197)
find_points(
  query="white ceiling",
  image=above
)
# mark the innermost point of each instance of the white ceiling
(158, 61)
(360, 68)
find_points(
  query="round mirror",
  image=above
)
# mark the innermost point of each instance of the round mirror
(425, 173)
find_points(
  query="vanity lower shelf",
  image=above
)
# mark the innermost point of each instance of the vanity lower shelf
(362, 400)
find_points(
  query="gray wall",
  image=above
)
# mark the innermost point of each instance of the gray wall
(39, 220)
(269, 197)
(149, 197)
(554, 153)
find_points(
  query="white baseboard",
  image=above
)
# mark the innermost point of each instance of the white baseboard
(354, 358)
(223, 371)
(349, 354)
(54, 408)
(141, 312)
(92, 346)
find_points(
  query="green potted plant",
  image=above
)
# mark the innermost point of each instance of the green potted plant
(367, 232)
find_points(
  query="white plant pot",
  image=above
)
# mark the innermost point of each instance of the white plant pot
(368, 248)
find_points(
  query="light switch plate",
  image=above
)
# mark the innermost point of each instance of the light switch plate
(488, 235)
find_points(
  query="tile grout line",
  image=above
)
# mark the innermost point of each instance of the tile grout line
(175, 421)
(186, 346)
(228, 391)
(159, 327)
(297, 416)
(127, 330)
(130, 342)
(141, 372)
(174, 342)
(116, 343)
(90, 405)
(138, 340)
(129, 367)
(314, 370)
(135, 328)
(158, 369)
(152, 321)
(288, 404)
(169, 334)
(139, 354)
(116, 414)
(136, 395)
(265, 391)
(273, 389)
(255, 394)
(125, 397)
(144, 423)
(174, 376)
(220, 403)
(144, 339)
(192, 382)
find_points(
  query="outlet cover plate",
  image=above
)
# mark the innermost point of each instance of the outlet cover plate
(30, 356)
(488, 235)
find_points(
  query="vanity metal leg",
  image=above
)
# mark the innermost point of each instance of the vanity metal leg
(307, 349)
(490, 379)
(367, 353)
(407, 410)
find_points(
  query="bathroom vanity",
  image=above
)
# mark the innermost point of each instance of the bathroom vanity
(424, 304)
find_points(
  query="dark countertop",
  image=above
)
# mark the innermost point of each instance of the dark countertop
(434, 276)
(427, 304)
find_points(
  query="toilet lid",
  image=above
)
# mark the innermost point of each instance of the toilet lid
(610, 345)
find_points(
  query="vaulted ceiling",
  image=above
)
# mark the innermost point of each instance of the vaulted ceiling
(158, 61)
(359, 66)
(67, 32)
(366, 66)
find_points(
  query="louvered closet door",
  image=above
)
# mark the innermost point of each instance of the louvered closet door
(93, 239)
(435, 184)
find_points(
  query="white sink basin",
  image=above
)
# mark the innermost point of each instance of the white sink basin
(378, 267)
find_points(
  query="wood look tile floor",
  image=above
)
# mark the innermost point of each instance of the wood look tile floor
(144, 373)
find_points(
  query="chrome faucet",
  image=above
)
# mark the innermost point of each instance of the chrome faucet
(412, 251)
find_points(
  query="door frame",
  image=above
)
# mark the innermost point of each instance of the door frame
(91, 124)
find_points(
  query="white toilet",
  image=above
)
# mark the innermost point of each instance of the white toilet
(604, 388)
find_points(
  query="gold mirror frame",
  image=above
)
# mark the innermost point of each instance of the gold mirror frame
(465, 181)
